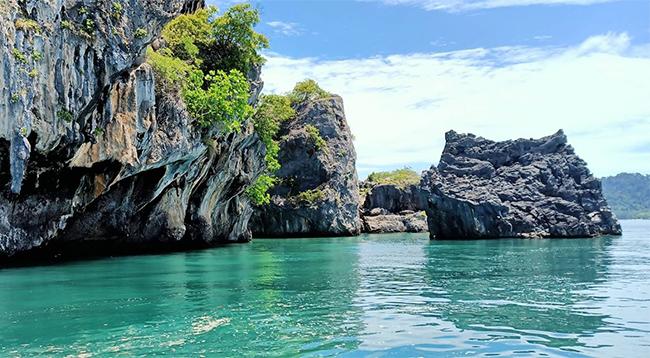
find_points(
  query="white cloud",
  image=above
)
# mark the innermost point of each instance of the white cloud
(400, 106)
(285, 28)
(465, 5)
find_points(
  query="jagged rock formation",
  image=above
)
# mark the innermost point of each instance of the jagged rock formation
(90, 151)
(391, 208)
(521, 188)
(318, 192)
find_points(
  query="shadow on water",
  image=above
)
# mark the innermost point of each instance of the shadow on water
(235, 299)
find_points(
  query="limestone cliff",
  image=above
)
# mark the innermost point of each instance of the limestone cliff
(90, 151)
(520, 188)
(317, 193)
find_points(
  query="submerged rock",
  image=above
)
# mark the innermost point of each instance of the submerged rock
(90, 151)
(389, 208)
(520, 188)
(317, 193)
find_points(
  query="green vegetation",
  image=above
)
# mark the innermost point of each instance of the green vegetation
(15, 97)
(271, 112)
(27, 25)
(307, 90)
(628, 195)
(64, 115)
(140, 33)
(33, 73)
(89, 27)
(98, 132)
(209, 74)
(118, 10)
(310, 196)
(213, 43)
(258, 192)
(19, 56)
(315, 137)
(66, 25)
(225, 101)
(37, 55)
(400, 177)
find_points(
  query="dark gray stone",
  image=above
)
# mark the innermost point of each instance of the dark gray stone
(521, 188)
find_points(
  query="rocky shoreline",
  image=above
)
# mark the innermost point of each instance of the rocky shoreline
(94, 153)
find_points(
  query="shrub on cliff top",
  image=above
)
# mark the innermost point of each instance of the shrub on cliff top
(213, 43)
(307, 90)
(400, 177)
(209, 74)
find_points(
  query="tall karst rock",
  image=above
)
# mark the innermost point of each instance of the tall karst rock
(91, 152)
(317, 193)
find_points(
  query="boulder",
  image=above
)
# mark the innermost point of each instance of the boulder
(528, 188)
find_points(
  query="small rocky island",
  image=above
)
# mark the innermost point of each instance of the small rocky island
(392, 202)
(528, 188)
(316, 191)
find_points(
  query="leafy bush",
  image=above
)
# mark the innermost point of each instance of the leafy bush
(19, 56)
(400, 177)
(258, 192)
(307, 90)
(315, 137)
(27, 25)
(140, 33)
(310, 196)
(236, 45)
(225, 101)
(271, 112)
(173, 73)
(64, 115)
(186, 33)
(118, 10)
(66, 25)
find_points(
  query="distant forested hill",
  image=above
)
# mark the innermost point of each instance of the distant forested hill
(628, 195)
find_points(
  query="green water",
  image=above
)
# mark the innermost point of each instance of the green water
(389, 295)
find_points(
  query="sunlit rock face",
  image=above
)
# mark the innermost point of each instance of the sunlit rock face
(317, 193)
(521, 188)
(91, 150)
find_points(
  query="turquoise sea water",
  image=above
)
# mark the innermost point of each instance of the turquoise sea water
(380, 295)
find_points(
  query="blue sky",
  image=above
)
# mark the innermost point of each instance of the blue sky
(409, 70)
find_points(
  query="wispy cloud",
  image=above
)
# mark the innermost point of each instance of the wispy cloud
(285, 28)
(467, 5)
(399, 106)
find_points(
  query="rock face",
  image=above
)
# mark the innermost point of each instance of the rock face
(317, 193)
(522, 188)
(90, 151)
(389, 208)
